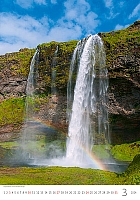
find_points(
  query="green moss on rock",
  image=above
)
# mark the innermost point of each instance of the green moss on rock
(122, 50)
(134, 166)
(18, 63)
(126, 152)
(12, 111)
(132, 175)
(60, 62)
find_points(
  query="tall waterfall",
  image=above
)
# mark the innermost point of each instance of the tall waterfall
(87, 106)
(54, 62)
(30, 87)
(28, 133)
(87, 112)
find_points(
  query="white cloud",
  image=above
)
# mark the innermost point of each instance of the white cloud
(18, 26)
(136, 12)
(54, 1)
(79, 12)
(29, 3)
(119, 27)
(24, 31)
(24, 4)
(112, 9)
(121, 4)
(18, 32)
(40, 2)
(108, 3)
(6, 47)
(81, 6)
(64, 33)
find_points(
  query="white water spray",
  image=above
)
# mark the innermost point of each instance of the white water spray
(87, 107)
(30, 88)
(27, 143)
(34, 143)
(54, 63)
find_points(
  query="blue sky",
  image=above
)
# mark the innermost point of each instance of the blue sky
(27, 23)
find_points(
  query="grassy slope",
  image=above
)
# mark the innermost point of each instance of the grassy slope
(50, 175)
(11, 111)
(57, 176)
(125, 152)
(121, 43)
(18, 62)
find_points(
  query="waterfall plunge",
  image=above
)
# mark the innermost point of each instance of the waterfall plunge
(27, 142)
(54, 63)
(30, 88)
(87, 107)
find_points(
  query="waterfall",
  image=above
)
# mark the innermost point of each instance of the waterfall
(53, 84)
(29, 133)
(87, 105)
(87, 112)
(30, 87)
(35, 145)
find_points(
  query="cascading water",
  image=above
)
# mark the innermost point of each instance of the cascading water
(87, 107)
(86, 104)
(29, 133)
(34, 143)
(30, 88)
(53, 84)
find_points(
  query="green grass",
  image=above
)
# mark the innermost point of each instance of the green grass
(19, 61)
(121, 43)
(55, 176)
(101, 151)
(124, 152)
(132, 175)
(12, 111)
(9, 145)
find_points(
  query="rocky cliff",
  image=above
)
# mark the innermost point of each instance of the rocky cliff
(123, 62)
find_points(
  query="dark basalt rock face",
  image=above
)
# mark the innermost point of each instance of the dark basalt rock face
(14, 69)
(123, 62)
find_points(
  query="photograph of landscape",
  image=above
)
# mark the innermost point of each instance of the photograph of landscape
(69, 92)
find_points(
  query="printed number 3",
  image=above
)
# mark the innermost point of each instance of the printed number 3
(124, 192)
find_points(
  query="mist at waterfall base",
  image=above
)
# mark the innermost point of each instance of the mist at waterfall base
(87, 112)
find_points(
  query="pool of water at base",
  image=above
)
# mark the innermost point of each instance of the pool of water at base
(117, 166)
